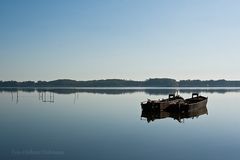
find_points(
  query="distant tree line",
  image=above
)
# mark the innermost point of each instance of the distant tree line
(155, 82)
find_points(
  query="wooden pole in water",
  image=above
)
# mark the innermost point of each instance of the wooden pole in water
(12, 95)
(17, 97)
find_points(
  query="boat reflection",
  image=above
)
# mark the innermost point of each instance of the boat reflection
(157, 113)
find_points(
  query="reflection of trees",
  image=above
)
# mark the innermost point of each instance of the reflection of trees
(116, 91)
(17, 89)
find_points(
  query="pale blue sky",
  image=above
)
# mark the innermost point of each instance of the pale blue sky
(127, 39)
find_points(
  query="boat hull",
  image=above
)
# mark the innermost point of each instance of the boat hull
(162, 105)
(189, 105)
(190, 108)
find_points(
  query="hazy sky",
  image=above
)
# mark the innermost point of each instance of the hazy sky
(127, 39)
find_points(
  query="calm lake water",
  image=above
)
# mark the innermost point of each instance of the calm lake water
(94, 124)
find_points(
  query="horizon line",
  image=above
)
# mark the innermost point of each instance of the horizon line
(119, 79)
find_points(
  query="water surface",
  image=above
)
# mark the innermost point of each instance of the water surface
(92, 123)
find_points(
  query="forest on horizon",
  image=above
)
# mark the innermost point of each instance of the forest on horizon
(153, 82)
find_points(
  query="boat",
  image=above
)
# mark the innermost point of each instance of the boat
(183, 109)
(152, 114)
(172, 100)
(193, 103)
